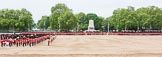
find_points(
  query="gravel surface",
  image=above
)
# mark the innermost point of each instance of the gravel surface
(91, 46)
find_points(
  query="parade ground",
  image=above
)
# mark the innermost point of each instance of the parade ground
(91, 46)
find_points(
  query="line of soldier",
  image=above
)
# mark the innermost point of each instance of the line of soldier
(22, 40)
(51, 39)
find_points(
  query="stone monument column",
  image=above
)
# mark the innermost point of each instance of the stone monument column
(91, 26)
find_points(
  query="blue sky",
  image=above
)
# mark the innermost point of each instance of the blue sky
(101, 7)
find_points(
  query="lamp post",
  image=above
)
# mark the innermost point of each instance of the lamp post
(60, 11)
(102, 28)
(44, 26)
(108, 27)
(59, 24)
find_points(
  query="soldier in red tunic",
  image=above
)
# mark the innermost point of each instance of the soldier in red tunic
(16, 42)
(30, 42)
(23, 42)
(2, 43)
(49, 40)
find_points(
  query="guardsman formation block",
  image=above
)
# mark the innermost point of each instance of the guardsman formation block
(22, 40)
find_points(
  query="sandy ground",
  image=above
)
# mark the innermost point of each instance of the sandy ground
(91, 46)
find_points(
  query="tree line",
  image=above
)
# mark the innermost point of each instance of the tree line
(18, 20)
(62, 18)
(144, 18)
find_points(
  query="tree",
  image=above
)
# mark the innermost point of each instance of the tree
(26, 18)
(56, 12)
(140, 19)
(43, 23)
(81, 20)
(19, 20)
(68, 21)
(101, 23)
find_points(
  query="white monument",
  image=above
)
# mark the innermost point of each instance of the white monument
(91, 27)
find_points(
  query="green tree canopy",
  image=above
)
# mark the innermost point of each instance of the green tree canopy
(56, 12)
(81, 20)
(20, 20)
(62, 18)
(140, 19)
(43, 23)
